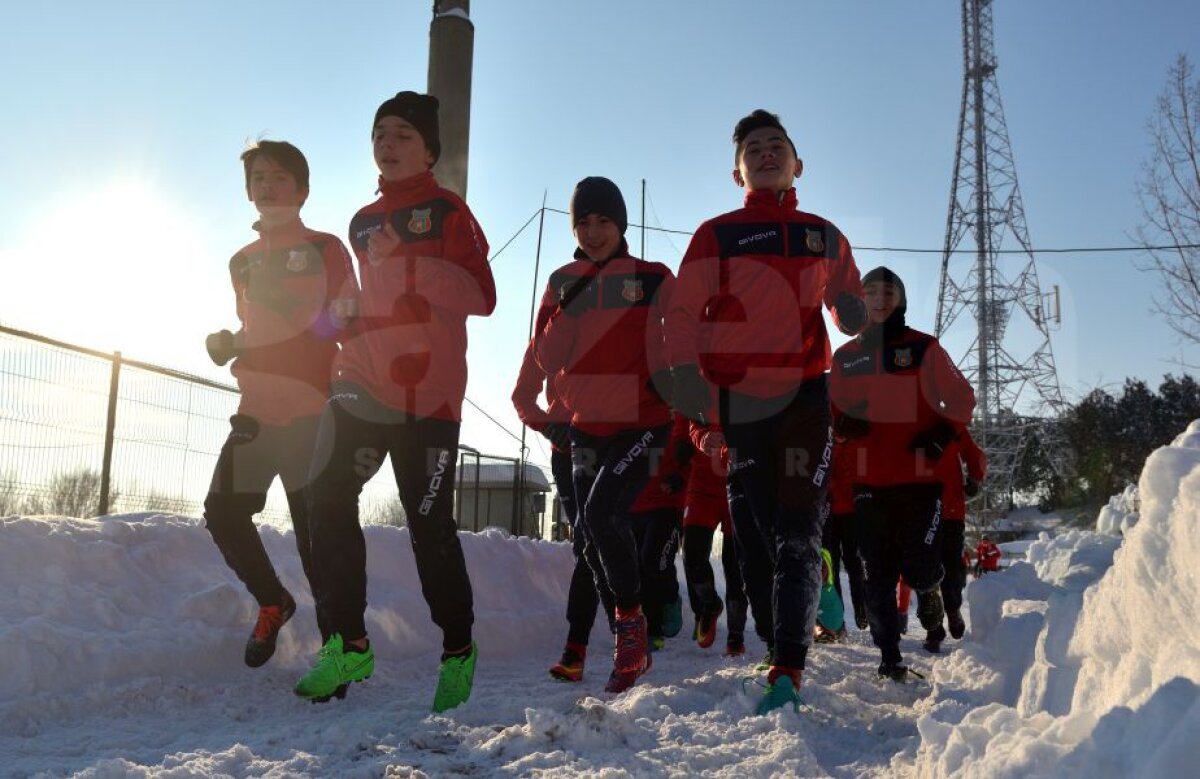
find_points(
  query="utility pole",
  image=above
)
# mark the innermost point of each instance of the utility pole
(1016, 388)
(451, 54)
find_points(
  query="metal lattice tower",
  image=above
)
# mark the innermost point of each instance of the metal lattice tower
(1016, 396)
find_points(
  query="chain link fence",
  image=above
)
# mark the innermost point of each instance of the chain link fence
(85, 433)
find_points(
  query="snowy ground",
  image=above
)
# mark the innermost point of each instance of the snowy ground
(122, 641)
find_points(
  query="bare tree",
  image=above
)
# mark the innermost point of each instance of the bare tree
(1169, 191)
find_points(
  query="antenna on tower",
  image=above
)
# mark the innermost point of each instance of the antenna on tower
(1018, 397)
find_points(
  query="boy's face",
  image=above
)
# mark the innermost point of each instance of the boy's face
(273, 190)
(767, 161)
(598, 236)
(400, 150)
(882, 299)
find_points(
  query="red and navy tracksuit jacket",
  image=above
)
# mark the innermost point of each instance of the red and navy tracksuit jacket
(747, 304)
(285, 282)
(658, 493)
(409, 344)
(707, 502)
(601, 360)
(902, 385)
(964, 450)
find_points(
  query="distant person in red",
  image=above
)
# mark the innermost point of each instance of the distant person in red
(899, 398)
(290, 285)
(839, 538)
(987, 556)
(961, 454)
(706, 510)
(657, 520)
(554, 423)
(398, 393)
(602, 342)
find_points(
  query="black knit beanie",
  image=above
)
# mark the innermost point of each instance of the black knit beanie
(421, 111)
(598, 195)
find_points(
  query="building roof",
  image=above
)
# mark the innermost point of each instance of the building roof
(500, 475)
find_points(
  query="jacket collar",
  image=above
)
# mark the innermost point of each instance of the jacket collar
(289, 229)
(407, 189)
(621, 252)
(760, 198)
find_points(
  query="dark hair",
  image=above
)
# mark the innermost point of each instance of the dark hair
(283, 154)
(756, 119)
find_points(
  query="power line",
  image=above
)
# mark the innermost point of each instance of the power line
(515, 437)
(1072, 250)
(514, 237)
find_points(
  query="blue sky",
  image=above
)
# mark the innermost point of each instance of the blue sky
(123, 199)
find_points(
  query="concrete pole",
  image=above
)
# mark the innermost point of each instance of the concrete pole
(451, 51)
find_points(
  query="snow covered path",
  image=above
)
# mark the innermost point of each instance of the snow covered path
(688, 718)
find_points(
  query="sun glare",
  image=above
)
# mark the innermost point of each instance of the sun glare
(114, 268)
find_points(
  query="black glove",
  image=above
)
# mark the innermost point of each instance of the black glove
(849, 427)
(558, 434)
(660, 384)
(971, 488)
(684, 451)
(571, 297)
(690, 393)
(220, 347)
(673, 484)
(852, 313)
(933, 441)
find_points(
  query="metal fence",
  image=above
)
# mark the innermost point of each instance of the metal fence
(86, 433)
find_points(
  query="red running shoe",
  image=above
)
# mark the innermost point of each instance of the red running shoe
(630, 657)
(261, 644)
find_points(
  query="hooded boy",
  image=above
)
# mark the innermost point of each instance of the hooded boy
(899, 402)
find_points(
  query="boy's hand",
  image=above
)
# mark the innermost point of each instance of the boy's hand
(712, 442)
(382, 243)
(971, 488)
(558, 434)
(342, 310)
(690, 394)
(221, 348)
(572, 297)
(852, 313)
(933, 441)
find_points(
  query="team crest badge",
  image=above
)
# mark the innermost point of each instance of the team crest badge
(814, 241)
(903, 358)
(632, 291)
(420, 222)
(297, 260)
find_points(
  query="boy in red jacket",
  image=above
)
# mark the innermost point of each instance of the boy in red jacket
(398, 392)
(554, 423)
(746, 318)
(602, 343)
(899, 398)
(290, 285)
(987, 556)
(955, 491)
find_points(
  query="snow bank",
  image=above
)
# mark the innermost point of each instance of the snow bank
(108, 600)
(1086, 658)
(1120, 514)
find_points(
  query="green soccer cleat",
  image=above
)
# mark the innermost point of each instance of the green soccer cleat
(780, 694)
(336, 668)
(673, 617)
(454, 681)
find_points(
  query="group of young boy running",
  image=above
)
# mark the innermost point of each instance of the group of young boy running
(676, 404)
